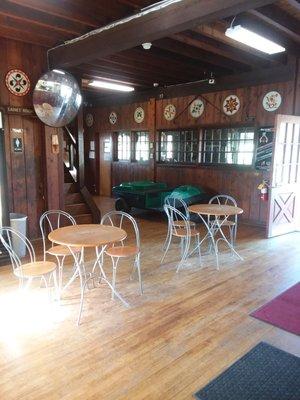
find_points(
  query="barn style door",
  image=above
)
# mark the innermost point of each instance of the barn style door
(284, 194)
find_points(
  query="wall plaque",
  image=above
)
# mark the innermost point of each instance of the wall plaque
(17, 145)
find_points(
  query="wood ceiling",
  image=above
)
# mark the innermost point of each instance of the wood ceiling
(180, 57)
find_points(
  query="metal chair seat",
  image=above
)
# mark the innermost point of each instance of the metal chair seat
(62, 251)
(181, 232)
(122, 251)
(35, 269)
(182, 223)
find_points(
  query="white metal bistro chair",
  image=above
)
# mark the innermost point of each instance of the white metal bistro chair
(231, 222)
(49, 221)
(30, 269)
(179, 226)
(181, 206)
(122, 249)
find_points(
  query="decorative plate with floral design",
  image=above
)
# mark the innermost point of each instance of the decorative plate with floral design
(231, 104)
(169, 112)
(197, 108)
(17, 82)
(113, 118)
(139, 115)
(272, 101)
(89, 120)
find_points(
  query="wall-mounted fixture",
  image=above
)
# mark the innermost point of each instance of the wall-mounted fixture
(55, 144)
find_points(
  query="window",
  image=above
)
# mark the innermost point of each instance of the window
(123, 146)
(227, 146)
(141, 146)
(178, 147)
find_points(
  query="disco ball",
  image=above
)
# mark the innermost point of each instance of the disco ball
(56, 98)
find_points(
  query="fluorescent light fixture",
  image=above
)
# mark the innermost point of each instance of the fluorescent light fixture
(111, 86)
(59, 71)
(254, 40)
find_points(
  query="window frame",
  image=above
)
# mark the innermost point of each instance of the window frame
(181, 163)
(132, 146)
(227, 165)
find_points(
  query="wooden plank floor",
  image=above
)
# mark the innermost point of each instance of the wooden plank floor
(180, 334)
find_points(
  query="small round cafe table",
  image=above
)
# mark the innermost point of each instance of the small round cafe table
(220, 213)
(88, 236)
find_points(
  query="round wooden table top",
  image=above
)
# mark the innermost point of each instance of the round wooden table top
(215, 209)
(87, 235)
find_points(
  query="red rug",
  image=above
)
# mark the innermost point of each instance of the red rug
(283, 311)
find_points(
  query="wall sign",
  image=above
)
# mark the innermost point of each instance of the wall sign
(113, 118)
(89, 120)
(17, 145)
(196, 108)
(271, 101)
(20, 110)
(231, 104)
(169, 112)
(139, 115)
(264, 148)
(17, 82)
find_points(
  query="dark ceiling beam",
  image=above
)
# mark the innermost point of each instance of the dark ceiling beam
(213, 46)
(280, 73)
(175, 17)
(216, 31)
(265, 29)
(280, 20)
(212, 62)
(16, 34)
(43, 19)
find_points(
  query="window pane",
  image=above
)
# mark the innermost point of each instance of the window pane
(142, 146)
(123, 146)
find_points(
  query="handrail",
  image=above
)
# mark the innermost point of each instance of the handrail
(91, 204)
(70, 134)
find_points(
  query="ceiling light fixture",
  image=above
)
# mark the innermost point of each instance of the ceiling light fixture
(147, 45)
(111, 86)
(253, 39)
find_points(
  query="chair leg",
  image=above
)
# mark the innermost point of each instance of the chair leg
(138, 266)
(167, 249)
(167, 239)
(197, 237)
(185, 253)
(115, 265)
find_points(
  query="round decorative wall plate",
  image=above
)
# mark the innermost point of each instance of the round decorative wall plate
(196, 108)
(113, 117)
(169, 112)
(89, 120)
(139, 115)
(17, 82)
(272, 101)
(231, 104)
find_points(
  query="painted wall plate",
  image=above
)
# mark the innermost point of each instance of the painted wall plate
(113, 117)
(89, 120)
(139, 115)
(17, 82)
(271, 101)
(169, 112)
(231, 104)
(196, 108)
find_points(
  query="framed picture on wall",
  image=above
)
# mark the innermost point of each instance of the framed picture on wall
(264, 148)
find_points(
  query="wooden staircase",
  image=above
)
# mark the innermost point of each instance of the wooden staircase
(74, 201)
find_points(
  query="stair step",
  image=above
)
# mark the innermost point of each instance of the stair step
(77, 208)
(73, 198)
(84, 219)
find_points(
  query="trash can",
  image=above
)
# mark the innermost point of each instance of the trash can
(19, 223)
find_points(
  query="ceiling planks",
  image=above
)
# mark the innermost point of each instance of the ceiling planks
(173, 18)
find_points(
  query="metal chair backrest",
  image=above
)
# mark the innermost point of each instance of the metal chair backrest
(54, 219)
(118, 219)
(179, 204)
(174, 215)
(10, 237)
(224, 199)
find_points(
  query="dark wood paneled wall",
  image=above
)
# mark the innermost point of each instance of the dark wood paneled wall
(239, 182)
(26, 170)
